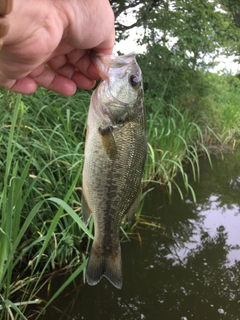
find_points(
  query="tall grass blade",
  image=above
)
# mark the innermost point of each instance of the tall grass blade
(73, 214)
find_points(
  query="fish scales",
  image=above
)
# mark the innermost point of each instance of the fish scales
(115, 153)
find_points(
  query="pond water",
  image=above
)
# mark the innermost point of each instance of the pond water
(187, 268)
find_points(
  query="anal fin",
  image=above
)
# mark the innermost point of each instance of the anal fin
(134, 207)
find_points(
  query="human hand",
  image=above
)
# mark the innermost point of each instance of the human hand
(48, 44)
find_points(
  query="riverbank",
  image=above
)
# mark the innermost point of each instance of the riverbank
(42, 145)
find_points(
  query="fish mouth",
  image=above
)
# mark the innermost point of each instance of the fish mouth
(104, 63)
(124, 66)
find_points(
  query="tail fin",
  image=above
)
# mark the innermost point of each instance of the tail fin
(109, 267)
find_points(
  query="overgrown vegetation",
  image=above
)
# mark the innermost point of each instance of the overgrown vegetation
(41, 159)
(201, 121)
(42, 143)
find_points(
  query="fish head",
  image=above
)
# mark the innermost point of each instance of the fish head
(124, 79)
(121, 88)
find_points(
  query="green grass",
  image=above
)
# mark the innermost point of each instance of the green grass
(174, 138)
(41, 160)
(41, 163)
(226, 97)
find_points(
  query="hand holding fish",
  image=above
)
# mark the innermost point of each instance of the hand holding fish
(48, 44)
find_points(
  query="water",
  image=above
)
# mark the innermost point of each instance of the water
(186, 268)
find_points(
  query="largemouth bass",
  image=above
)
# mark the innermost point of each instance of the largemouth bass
(115, 152)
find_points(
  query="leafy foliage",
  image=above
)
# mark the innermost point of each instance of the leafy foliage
(233, 7)
(189, 29)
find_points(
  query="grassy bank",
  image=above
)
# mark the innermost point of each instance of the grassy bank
(191, 126)
(41, 162)
(41, 157)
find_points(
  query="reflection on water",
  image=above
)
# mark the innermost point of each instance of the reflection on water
(190, 269)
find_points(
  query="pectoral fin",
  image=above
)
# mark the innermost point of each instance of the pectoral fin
(86, 212)
(134, 207)
(108, 141)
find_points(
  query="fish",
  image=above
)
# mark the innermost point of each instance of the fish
(115, 154)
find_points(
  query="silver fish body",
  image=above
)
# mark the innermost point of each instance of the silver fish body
(115, 153)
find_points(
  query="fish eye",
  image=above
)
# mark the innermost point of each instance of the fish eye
(134, 80)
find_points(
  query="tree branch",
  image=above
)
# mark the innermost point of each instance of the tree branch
(122, 27)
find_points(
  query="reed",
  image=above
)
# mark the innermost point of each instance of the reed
(174, 139)
(227, 98)
(40, 231)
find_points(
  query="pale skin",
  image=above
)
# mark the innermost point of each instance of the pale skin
(48, 44)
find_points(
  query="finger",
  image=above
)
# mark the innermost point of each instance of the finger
(83, 82)
(25, 85)
(5, 7)
(57, 62)
(83, 63)
(48, 79)
(61, 66)
(66, 71)
(60, 84)
(4, 27)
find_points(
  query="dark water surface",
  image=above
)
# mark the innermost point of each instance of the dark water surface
(190, 269)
